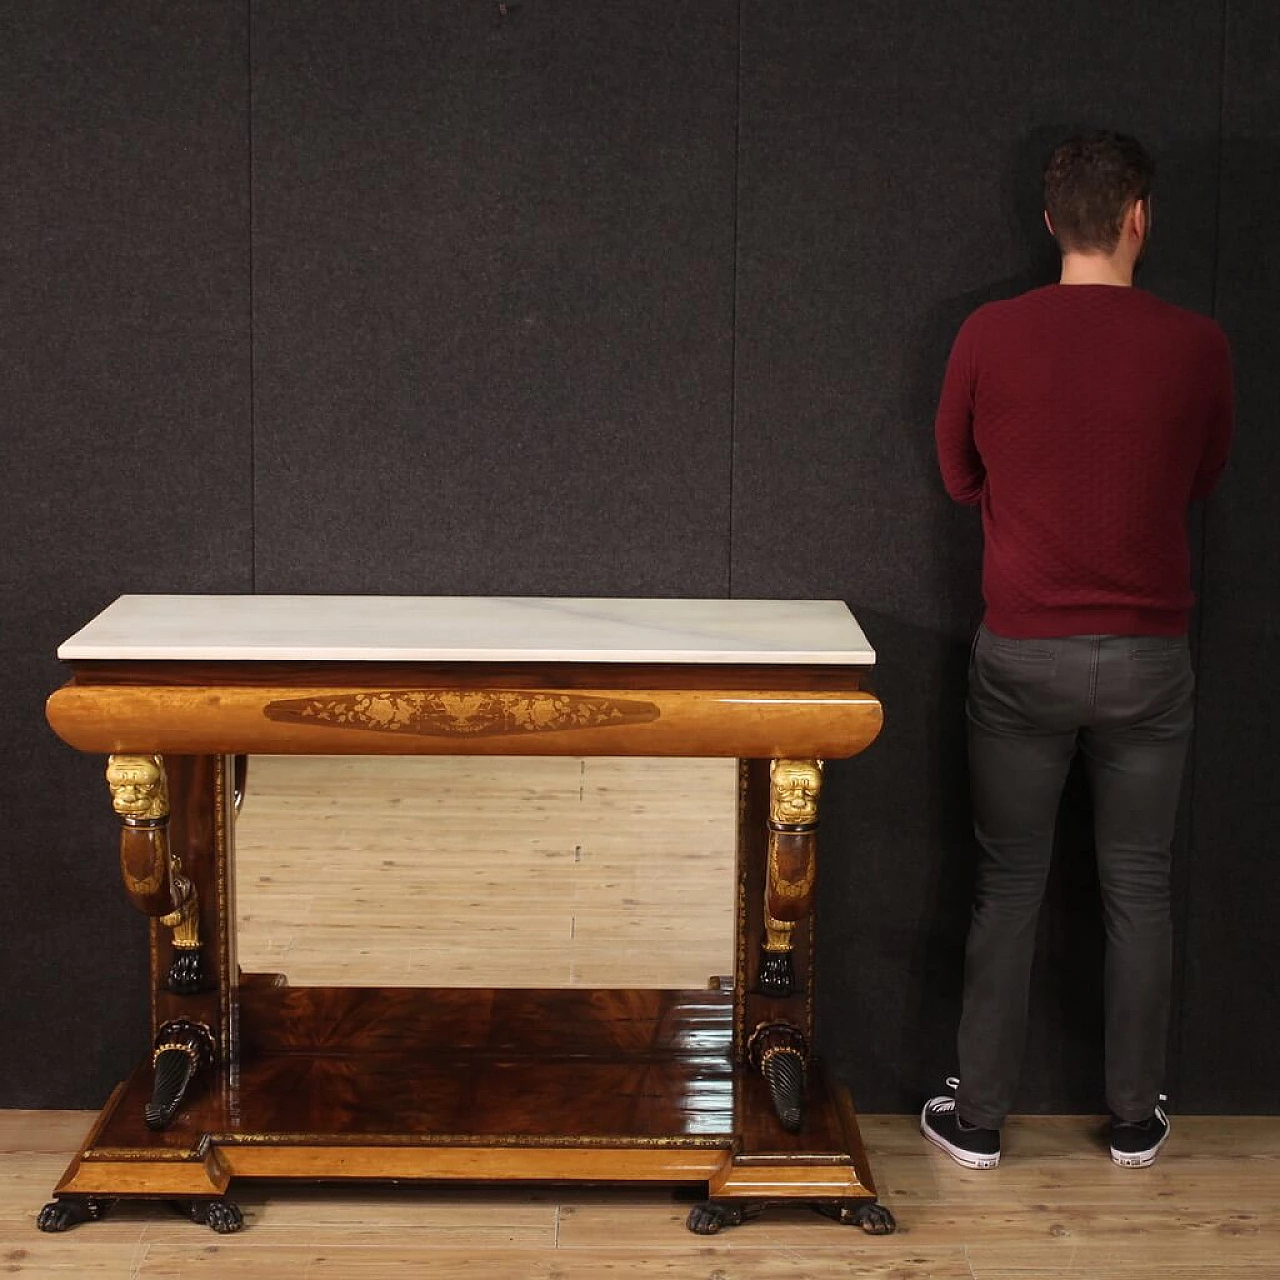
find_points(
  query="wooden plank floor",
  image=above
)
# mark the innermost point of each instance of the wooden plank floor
(1056, 1207)
(609, 873)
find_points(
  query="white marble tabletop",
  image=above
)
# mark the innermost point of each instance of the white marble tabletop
(469, 629)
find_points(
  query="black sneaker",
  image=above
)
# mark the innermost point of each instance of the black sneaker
(1135, 1144)
(966, 1144)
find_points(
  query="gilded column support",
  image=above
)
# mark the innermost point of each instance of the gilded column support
(151, 871)
(794, 788)
(140, 796)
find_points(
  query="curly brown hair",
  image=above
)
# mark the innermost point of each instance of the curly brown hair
(1089, 182)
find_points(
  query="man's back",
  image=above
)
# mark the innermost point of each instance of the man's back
(1084, 418)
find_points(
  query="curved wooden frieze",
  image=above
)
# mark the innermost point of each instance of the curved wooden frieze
(461, 714)
(339, 719)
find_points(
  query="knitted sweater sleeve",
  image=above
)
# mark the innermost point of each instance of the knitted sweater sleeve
(962, 471)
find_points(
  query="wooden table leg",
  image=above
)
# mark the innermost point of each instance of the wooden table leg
(799, 1139)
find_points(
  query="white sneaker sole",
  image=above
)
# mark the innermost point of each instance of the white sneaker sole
(958, 1154)
(1138, 1159)
(1141, 1159)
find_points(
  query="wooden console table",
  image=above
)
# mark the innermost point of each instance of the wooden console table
(247, 1077)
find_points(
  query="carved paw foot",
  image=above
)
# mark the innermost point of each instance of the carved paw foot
(222, 1216)
(69, 1211)
(777, 974)
(186, 973)
(707, 1218)
(870, 1215)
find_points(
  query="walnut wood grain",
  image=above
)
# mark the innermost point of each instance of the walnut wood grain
(331, 1119)
(570, 1022)
(755, 1007)
(434, 1064)
(342, 720)
(144, 868)
(377, 1083)
(201, 833)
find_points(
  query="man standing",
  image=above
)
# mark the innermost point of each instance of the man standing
(1082, 418)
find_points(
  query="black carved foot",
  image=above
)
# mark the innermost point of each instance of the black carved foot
(180, 1050)
(222, 1216)
(186, 973)
(707, 1218)
(784, 1072)
(174, 1069)
(777, 974)
(779, 1052)
(69, 1211)
(870, 1215)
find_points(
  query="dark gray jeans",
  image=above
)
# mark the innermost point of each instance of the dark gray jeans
(1124, 702)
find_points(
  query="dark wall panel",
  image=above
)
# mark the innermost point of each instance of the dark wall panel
(493, 296)
(1233, 1000)
(124, 357)
(548, 297)
(889, 184)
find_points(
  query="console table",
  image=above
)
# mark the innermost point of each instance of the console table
(245, 1076)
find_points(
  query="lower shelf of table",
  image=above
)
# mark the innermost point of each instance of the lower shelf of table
(340, 1084)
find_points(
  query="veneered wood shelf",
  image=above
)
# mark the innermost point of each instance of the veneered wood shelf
(444, 1084)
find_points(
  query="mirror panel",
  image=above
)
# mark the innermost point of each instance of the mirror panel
(476, 872)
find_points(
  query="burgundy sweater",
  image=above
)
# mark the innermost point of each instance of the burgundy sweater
(1084, 419)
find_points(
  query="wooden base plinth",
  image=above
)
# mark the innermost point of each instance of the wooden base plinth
(449, 1085)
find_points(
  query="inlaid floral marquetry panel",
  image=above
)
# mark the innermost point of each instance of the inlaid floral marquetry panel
(464, 714)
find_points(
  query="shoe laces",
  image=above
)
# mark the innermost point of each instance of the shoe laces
(943, 1106)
